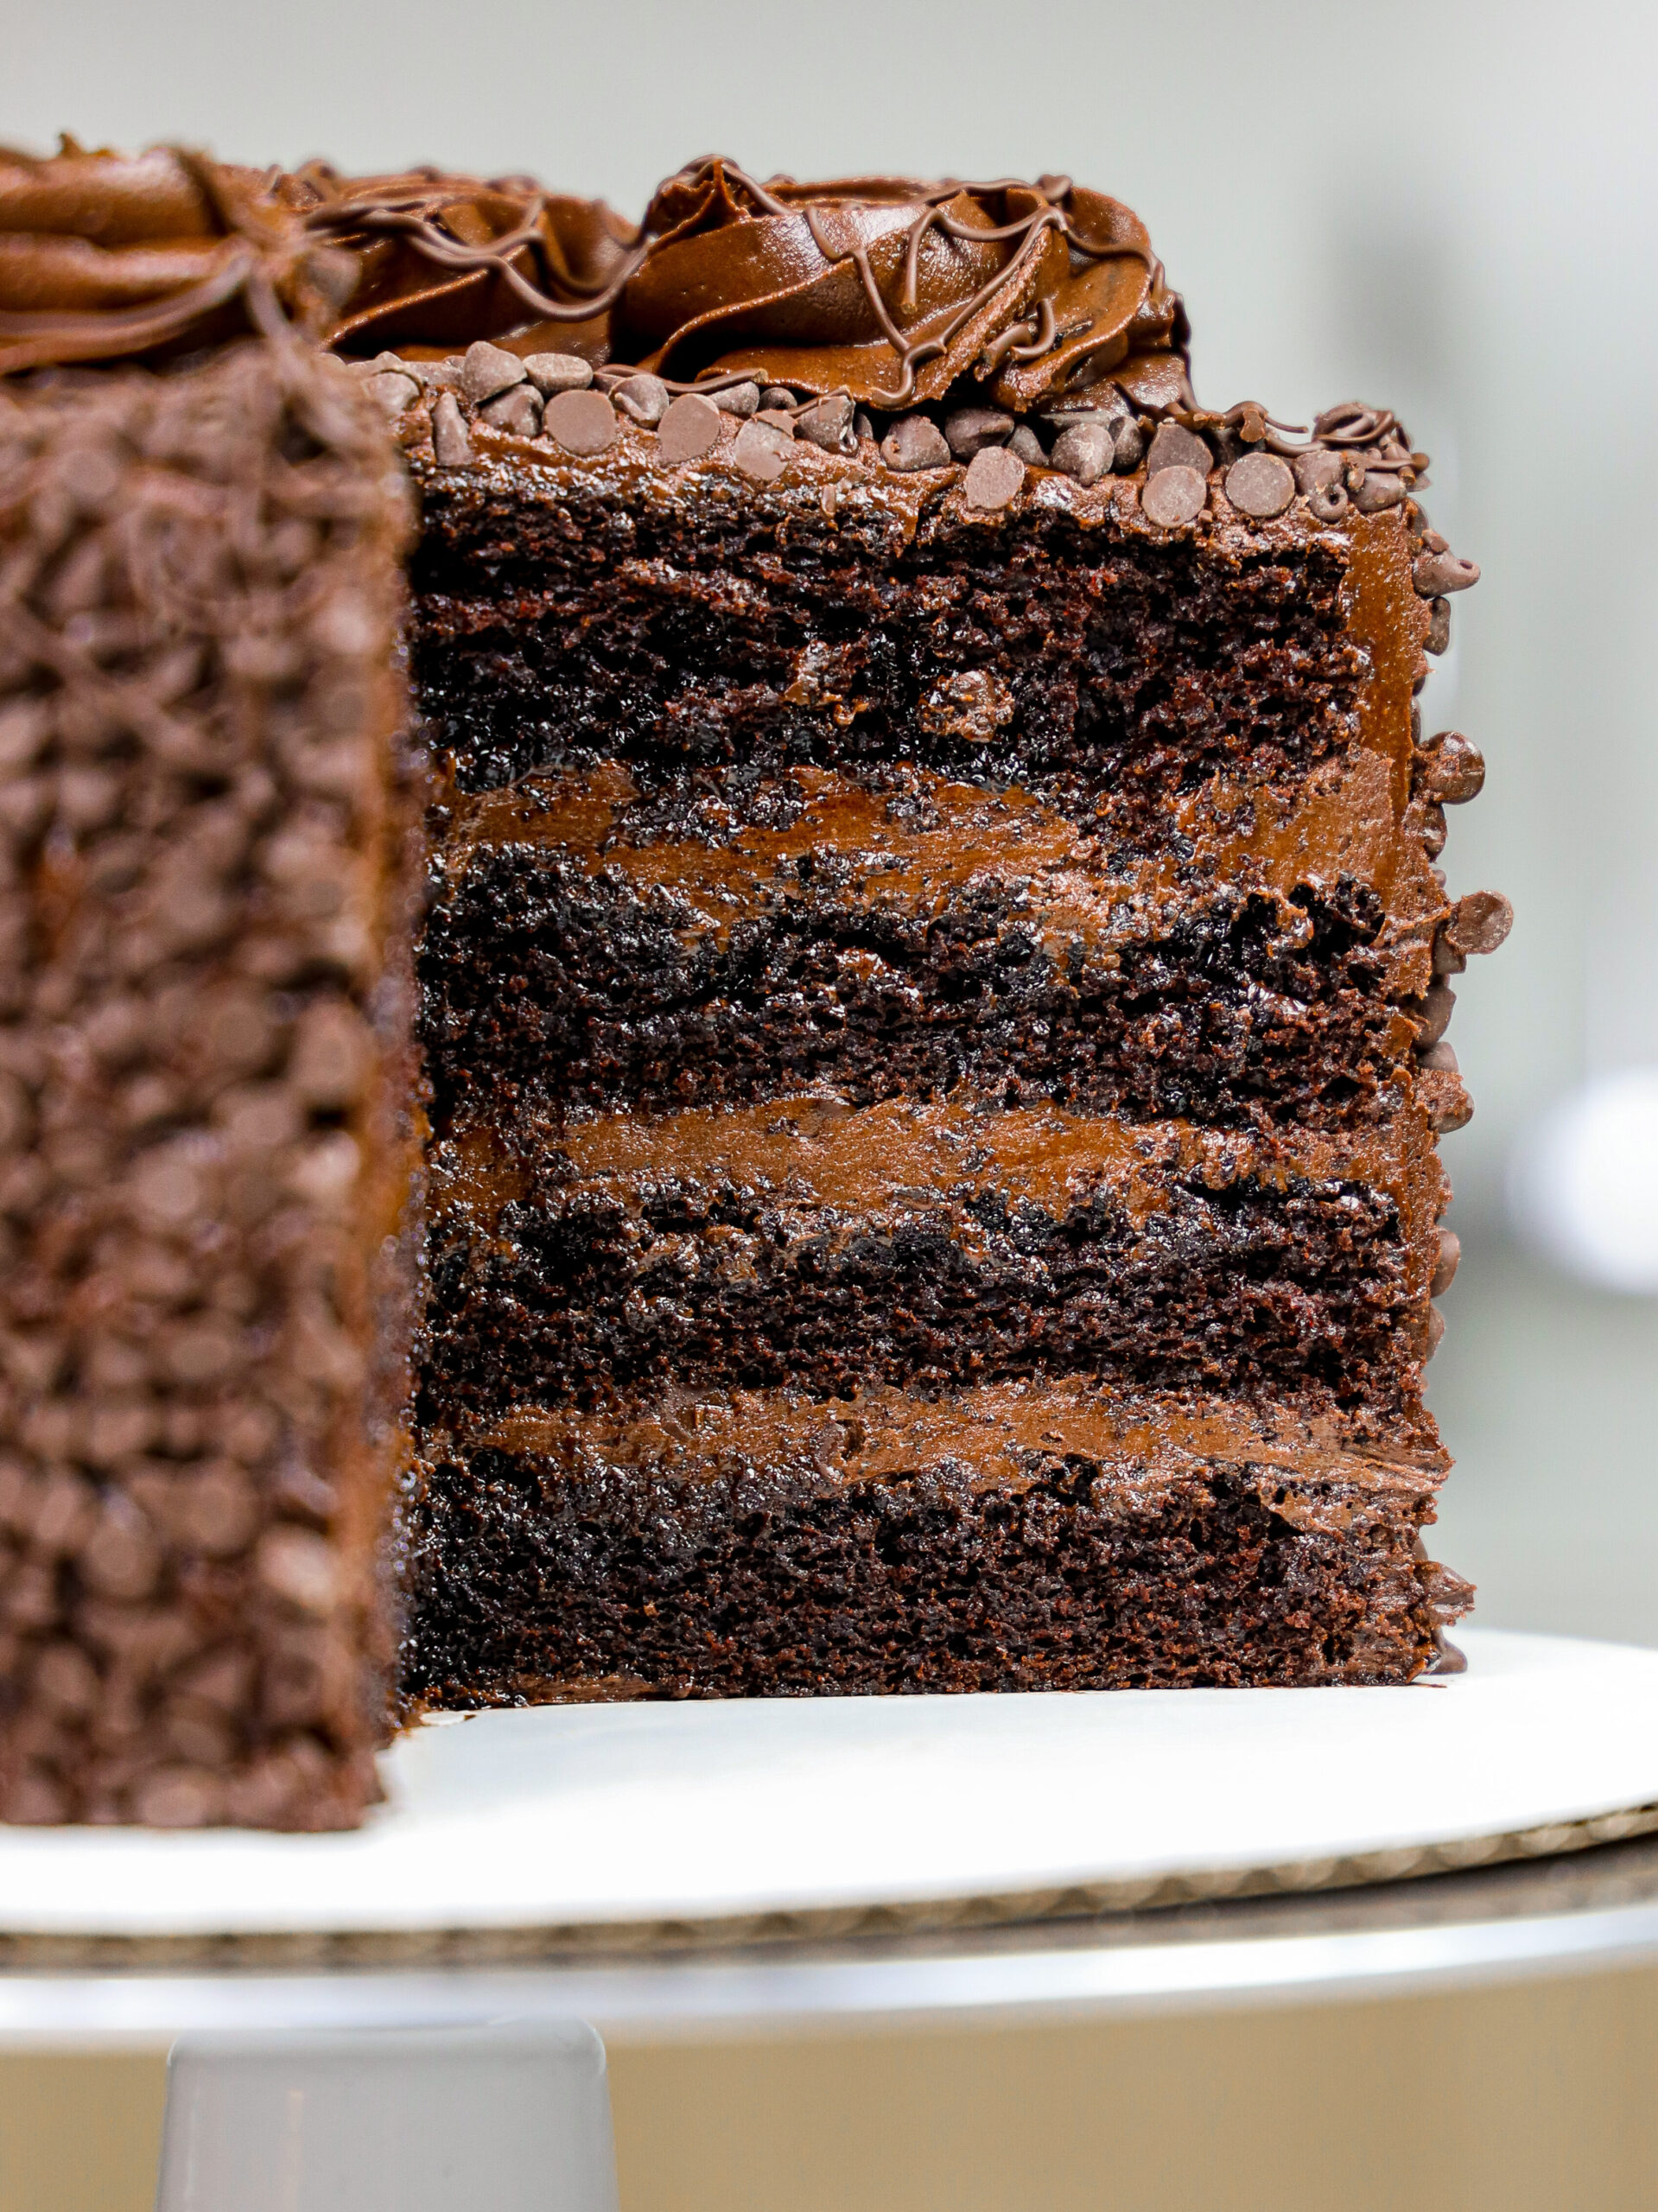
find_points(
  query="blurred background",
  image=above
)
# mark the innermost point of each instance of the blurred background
(1446, 207)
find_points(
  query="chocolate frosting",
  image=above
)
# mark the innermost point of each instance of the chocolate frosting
(886, 288)
(106, 258)
(891, 289)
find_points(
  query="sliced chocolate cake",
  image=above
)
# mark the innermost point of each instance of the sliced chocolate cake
(929, 996)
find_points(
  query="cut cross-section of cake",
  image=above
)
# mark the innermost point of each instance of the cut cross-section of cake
(926, 1027)
(933, 943)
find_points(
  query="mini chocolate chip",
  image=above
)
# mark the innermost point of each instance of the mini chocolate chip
(1442, 1096)
(1436, 573)
(863, 427)
(1131, 447)
(584, 423)
(551, 372)
(776, 396)
(1448, 960)
(774, 419)
(120, 1558)
(1438, 1007)
(65, 1509)
(1376, 492)
(1479, 922)
(451, 444)
(828, 423)
(1432, 541)
(1327, 502)
(517, 411)
(914, 441)
(760, 452)
(1102, 403)
(393, 392)
(1086, 451)
(1435, 1331)
(364, 370)
(1173, 448)
(179, 1797)
(486, 369)
(1260, 485)
(1025, 444)
(215, 1511)
(995, 479)
(1173, 496)
(1433, 830)
(1440, 1057)
(688, 430)
(1450, 1259)
(968, 429)
(737, 398)
(117, 1427)
(298, 1565)
(35, 1798)
(65, 1681)
(1449, 768)
(1438, 627)
(332, 1055)
(644, 397)
(1315, 467)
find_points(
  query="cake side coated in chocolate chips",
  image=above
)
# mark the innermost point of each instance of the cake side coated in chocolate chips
(206, 1088)
(931, 991)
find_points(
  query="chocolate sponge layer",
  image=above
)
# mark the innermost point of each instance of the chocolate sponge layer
(712, 643)
(1003, 1539)
(799, 1243)
(593, 988)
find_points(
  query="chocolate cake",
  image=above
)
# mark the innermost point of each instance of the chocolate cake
(894, 1148)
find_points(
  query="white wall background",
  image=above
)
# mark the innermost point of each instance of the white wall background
(1448, 208)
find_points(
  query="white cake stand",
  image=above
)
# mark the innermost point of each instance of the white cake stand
(662, 1868)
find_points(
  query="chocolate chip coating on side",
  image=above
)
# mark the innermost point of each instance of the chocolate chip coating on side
(204, 1096)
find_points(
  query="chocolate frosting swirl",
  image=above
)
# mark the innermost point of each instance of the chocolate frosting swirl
(105, 256)
(886, 288)
(893, 289)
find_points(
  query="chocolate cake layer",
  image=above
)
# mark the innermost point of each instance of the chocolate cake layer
(205, 1091)
(712, 635)
(924, 1246)
(903, 947)
(1025, 1537)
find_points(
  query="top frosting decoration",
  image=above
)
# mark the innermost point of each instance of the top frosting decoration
(105, 258)
(886, 288)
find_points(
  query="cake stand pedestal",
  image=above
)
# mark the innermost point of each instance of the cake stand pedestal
(664, 1870)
